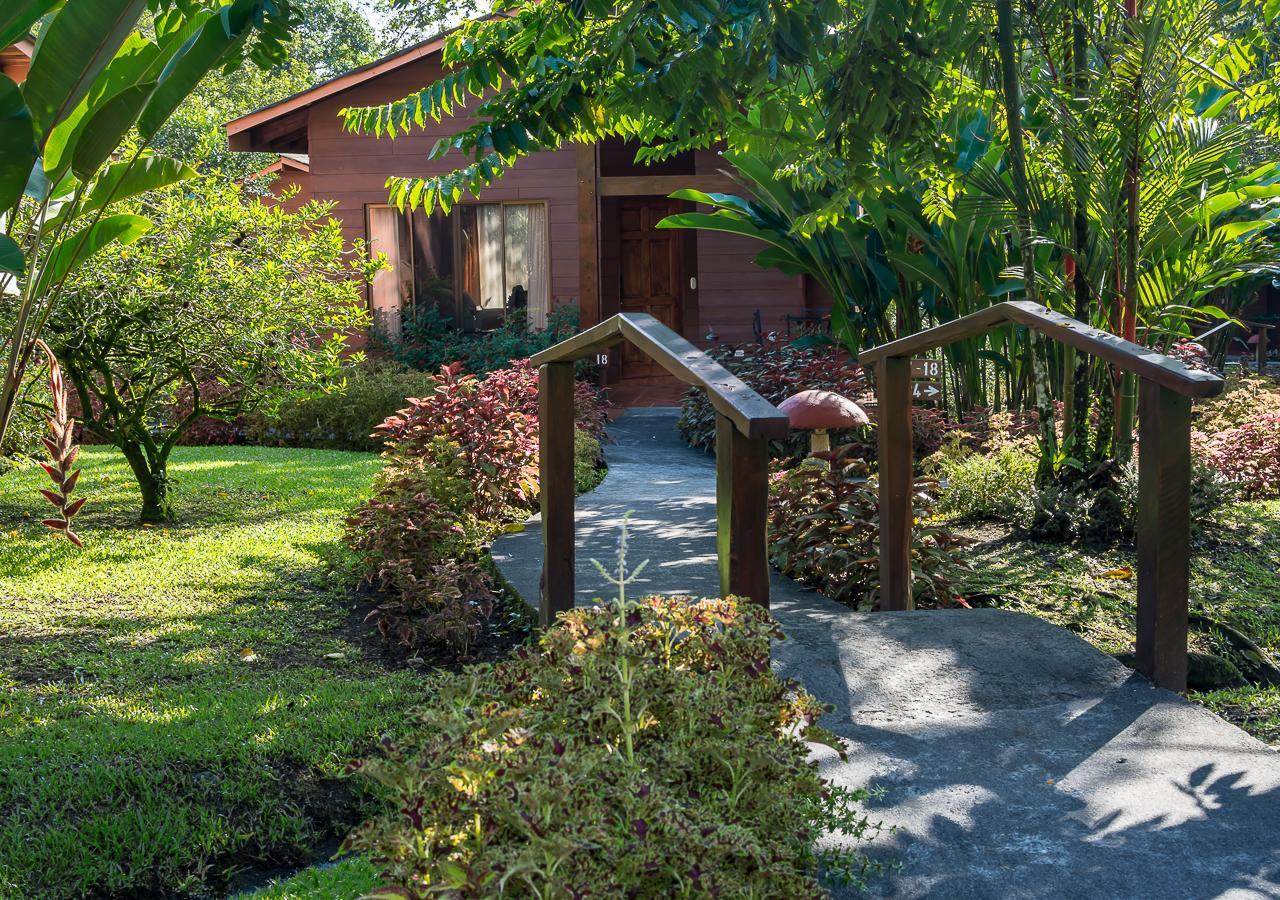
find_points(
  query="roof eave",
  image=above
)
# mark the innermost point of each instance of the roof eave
(239, 130)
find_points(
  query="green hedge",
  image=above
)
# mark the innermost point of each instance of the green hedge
(344, 418)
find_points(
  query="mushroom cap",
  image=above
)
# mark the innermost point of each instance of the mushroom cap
(823, 409)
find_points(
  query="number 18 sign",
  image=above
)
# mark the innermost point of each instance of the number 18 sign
(926, 375)
(926, 369)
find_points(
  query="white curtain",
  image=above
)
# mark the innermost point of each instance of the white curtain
(492, 292)
(388, 291)
(538, 284)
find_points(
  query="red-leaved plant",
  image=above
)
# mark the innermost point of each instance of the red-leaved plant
(461, 465)
(1247, 456)
(60, 446)
(824, 531)
(776, 371)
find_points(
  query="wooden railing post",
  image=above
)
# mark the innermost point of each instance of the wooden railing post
(1262, 350)
(556, 490)
(893, 422)
(1164, 533)
(742, 512)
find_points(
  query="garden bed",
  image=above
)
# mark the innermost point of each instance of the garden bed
(1088, 590)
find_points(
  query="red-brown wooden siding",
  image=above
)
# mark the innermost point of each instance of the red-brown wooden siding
(290, 178)
(352, 170)
(731, 287)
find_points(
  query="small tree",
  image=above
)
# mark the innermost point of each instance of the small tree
(222, 307)
(102, 70)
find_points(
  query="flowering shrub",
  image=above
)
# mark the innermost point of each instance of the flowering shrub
(1246, 397)
(824, 530)
(461, 465)
(516, 780)
(775, 371)
(1247, 456)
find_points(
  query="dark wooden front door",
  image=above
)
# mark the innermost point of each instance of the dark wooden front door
(651, 269)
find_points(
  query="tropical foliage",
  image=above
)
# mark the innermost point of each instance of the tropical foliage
(102, 71)
(461, 466)
(1112, 162)
(641, 731)
(824, 530)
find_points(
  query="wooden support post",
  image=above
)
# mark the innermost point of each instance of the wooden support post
(893, 422)
(589, 312)
(1164, 534)
(556, 491)
(1262, 349)
(742, 512)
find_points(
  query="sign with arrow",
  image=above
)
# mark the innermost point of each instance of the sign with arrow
(925, 391)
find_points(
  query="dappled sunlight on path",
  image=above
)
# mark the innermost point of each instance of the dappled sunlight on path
(1015, 759)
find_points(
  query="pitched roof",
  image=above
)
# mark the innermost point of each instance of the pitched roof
(281, 126)
(15, 59)
(298, 162)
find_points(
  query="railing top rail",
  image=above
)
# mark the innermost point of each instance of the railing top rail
(750, 413)
(1156, 367)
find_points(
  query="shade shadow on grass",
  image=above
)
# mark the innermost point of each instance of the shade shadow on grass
(178, 703)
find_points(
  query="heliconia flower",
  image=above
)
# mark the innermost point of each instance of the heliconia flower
(62, 455)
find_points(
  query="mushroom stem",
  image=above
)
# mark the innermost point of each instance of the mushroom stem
(819, 441)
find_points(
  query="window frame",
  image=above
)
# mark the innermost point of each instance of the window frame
(457, 248)
(456, 234)
(368, 239)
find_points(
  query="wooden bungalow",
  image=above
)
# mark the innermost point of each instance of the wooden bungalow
(292, 173)
(571, 226)
(15, 60)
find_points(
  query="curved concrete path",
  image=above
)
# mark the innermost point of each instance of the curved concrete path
(1016, 760)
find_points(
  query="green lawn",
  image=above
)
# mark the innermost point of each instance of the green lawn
(1234, 580)
(177, 703)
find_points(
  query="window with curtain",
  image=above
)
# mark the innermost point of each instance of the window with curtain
(504, 250)
(391, 293)
(479, 265)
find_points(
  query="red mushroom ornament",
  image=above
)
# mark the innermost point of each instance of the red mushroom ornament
(819, 412)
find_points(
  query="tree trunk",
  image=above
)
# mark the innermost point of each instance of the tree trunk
(1037, 357)
(1076, 421)
(1127, 402)
(153, 482)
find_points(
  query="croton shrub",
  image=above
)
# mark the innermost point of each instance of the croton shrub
(824, 531)
(461, 466)
(517, 781)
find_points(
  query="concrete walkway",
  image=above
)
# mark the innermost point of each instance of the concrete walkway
(1016, 760)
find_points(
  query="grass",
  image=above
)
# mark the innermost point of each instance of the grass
(349, 879)
(177, 704)
(1234, 580)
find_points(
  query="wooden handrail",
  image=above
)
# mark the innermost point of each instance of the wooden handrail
(750, 413)
(745, 423)
(1146, 363)
(1165, 389)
